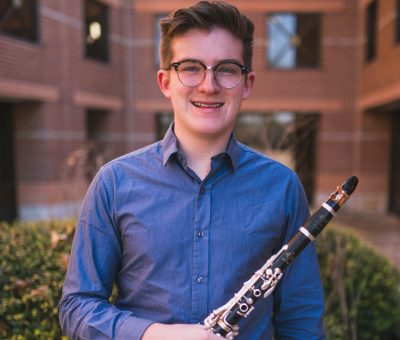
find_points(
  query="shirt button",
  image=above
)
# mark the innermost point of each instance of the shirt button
(200, 233)
(200, 279)
(202, 191)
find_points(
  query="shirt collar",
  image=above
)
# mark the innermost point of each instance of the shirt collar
(232, 151)
(170, 147)
(169, 144)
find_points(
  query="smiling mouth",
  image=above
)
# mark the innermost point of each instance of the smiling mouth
(208, 105)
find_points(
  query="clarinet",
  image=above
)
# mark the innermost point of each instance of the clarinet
(224, 320)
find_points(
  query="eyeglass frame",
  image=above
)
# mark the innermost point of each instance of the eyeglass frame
(244, 69)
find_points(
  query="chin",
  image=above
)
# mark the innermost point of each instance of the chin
(211, 131)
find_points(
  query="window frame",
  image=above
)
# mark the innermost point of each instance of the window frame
(397, 22)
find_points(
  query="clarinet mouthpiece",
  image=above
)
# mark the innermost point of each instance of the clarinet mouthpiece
(350, 185)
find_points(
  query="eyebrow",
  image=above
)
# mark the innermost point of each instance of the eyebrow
(217, 63)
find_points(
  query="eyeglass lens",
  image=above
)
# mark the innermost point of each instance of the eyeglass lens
(192, 73)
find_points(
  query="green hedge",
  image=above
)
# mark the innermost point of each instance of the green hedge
(33, 261)
(361, 287)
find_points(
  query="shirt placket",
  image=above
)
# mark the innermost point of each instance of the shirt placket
(201, 253)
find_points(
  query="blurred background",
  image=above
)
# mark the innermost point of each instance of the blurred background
(78, 88)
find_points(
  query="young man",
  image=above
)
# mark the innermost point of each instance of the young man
(180, 225)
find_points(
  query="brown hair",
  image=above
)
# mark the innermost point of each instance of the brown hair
(206, 15)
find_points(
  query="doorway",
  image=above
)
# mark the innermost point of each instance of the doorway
(8, 206)
(394, 199)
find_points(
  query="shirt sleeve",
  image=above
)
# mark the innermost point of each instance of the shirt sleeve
(84, 309)
(298, 298)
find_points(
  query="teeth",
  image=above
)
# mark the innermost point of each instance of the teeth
(207, 105)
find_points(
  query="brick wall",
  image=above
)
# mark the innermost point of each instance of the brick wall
(379, 97)
(52, 85)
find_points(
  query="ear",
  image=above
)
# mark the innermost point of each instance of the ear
(248, 85)
(164, 82)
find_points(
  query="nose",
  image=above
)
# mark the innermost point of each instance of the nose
(209, 83)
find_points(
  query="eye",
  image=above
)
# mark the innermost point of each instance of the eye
(189, 67)
(228, 69)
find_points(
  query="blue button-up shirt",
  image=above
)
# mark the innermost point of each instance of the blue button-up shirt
(178, 247)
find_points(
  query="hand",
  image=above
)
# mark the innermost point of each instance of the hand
(158, 331)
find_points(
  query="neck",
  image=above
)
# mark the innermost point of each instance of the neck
(199, 151)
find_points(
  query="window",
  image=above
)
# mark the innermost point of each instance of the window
(95, 151)
(293, 40)
(370, 21)
(163, 121)
(157, 37)
(97, 124)
(96, 30)
(19, 18)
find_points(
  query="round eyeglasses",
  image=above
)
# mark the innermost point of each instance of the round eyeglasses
(227, 74)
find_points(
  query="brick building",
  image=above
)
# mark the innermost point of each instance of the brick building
(78, 87)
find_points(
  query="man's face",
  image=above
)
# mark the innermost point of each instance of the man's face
(207, 110)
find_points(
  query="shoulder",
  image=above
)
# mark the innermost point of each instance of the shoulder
(145, 154)
(267, 173)
(125, 168)
(149, 151)
(253, 159)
